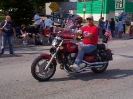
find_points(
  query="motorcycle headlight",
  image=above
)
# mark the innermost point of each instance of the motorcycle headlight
(54, 42)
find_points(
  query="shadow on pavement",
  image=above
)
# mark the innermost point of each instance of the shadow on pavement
(126, 56)
(107, 75)
(9, 55)
(31, 53)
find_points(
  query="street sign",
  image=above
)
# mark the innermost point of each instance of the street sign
(54, 6)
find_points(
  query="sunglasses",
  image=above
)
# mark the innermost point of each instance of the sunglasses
(88, 19)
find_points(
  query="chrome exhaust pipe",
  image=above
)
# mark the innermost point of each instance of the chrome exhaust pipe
(89, 67)
(94, 63)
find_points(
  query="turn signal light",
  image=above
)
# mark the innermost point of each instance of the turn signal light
(60, 48)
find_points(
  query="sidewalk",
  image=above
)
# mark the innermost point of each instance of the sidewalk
(19, 44)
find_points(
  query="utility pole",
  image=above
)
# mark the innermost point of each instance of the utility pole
(84, 9)
(102, 8)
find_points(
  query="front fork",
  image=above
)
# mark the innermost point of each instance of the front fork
(53, 56)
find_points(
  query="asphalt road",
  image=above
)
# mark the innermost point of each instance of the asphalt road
(16, 81)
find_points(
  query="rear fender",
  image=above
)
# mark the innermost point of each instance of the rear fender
(48, 56)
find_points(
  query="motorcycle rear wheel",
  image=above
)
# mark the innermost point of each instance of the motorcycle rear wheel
(101, 69)
(38, 72)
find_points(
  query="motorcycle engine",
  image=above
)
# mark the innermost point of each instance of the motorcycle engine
(71, 58)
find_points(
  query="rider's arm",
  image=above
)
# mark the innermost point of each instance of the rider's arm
(90, 35)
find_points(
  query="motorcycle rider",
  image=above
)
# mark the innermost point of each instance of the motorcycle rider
(89, 41)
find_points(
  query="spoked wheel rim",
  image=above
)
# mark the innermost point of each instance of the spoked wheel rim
(40, 69)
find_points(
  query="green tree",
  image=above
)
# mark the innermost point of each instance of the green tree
(22, 12)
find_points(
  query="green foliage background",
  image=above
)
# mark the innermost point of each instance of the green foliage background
(22, 11)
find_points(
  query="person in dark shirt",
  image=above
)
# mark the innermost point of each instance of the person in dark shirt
(24, 34)
(7, 29)
(112, 26)
(36, 33)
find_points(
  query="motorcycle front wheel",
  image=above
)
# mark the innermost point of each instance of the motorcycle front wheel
(100, 69)
(38, 69)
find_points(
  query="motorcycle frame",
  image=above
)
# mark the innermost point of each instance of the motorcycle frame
(89, 64)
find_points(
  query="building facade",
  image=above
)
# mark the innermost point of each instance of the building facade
(105, 8)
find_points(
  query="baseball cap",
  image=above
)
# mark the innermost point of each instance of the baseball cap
(89, 17)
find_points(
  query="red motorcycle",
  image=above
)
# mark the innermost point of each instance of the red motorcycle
(64, 52)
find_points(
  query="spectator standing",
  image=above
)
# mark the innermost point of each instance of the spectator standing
(131, 30)
(106, 25)
(120, 28)
(37, 20)
(112, 26)
(47, 22)
(124, 26)
(116, 27)
(7, 28)
(101, 26)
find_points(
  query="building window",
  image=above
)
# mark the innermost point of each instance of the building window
(119, 3)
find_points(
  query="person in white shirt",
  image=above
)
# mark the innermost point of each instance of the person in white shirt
(116, 27)
(47, 22)
(37, 19)
(120, 28)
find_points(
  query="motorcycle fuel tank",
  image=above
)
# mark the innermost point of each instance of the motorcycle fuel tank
(71, 47)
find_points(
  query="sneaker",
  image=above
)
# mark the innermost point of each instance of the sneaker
(1, 54)
(75, 67)
(23, 42)
(12, 53)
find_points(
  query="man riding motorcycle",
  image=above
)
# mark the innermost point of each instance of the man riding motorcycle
(89, 41)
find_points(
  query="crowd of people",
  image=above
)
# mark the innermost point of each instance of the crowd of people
(40, 29)
(116, 27)
(44, 27)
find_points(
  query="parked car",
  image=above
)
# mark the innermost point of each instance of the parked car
(61, 17)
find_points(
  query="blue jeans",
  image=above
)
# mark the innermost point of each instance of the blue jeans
(4, 39)
(84, 48)
(100, 29)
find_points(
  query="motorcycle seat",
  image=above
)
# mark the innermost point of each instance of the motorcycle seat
(92, 53)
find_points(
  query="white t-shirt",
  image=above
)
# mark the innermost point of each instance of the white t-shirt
(120, 24)
(37, 19)
(47, 22)
(116, 24)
